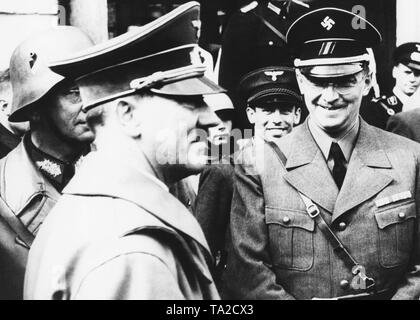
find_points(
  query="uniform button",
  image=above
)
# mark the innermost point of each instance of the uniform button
(286, 220)
(344, 284)
(342, 226)
(270, 43)
(401, 215)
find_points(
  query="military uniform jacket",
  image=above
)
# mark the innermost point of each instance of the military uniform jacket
(378, 110)
(117, 234)
(25, 190)
(279, 252)
(31, 197)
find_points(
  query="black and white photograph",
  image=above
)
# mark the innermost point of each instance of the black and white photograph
(223, 152)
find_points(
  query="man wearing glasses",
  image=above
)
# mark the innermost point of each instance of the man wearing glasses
(34, 174)
(330, 211)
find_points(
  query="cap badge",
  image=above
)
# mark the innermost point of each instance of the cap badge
(273, 74)
(196, 58)
(50, 167)
(415, 56)
(33, 57)
(328, 23)
(327, 48)
(197, 24)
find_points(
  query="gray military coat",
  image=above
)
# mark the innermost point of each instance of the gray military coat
(117, 234)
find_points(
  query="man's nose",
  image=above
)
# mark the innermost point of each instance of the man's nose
(414, 77)
(208, 119)
(329, 94)
(276, 116)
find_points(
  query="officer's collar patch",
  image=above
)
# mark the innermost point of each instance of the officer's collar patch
(49, 167)
(393, 101)
(56, 171)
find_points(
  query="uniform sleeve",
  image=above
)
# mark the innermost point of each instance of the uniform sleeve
(249, 274)
(409, 288)
(397, 125)
(134, 276)
(213, 202)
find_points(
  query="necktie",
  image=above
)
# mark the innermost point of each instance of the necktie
(339, 169)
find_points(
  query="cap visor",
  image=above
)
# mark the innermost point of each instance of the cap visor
(329, 71)
(189, 87)
(413, 66)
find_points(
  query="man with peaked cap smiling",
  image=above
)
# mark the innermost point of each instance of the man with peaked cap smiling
(35, 172)
(331, 210)
(404, 97)
(273, 101)
(255, 37)
(273, 106)
(117, 232)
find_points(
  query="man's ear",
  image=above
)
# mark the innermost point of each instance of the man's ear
(298, 114)
(368, 84)
(127, 115)
(299, 78)
(250, 114)
(395, 72)
(4, 107)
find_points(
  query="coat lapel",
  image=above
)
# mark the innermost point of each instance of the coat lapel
(308, 171)
(362, 180)
(127, 182)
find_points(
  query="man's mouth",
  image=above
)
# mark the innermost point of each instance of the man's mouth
(331, 108)
(223, 135)
(278, 128)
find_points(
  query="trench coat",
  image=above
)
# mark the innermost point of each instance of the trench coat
(117, 234)
(278, 250)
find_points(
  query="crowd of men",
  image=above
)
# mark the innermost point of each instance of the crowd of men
(126, 172)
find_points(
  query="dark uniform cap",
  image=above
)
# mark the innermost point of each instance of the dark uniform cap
(408, 54)
(332, 37)
(162, 56)
(269, 85)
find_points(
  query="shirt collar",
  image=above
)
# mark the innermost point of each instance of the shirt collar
(346, 141)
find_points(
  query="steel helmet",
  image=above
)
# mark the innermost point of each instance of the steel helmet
(30, 75)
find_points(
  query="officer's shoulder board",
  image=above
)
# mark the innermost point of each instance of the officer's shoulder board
(249, 7)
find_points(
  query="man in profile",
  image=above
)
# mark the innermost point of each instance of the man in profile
(117, 233)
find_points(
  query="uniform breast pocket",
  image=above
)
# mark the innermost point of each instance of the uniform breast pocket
(290, 238)
(395, 233)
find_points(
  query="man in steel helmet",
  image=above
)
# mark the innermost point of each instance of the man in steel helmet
(34, 174)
